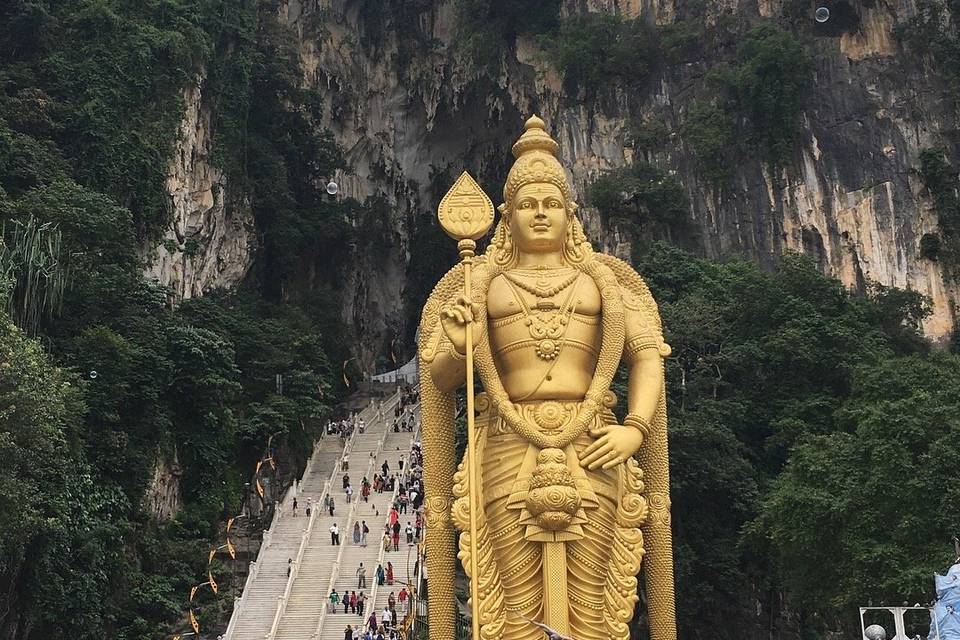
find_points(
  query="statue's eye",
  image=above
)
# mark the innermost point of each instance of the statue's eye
(553, 204)
(526, 204)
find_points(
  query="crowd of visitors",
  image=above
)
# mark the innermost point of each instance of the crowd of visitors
(406, 483)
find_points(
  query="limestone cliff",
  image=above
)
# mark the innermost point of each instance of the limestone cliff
(411, 111)
(207, 243)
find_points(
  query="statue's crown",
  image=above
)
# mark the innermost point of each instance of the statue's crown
(536, 161)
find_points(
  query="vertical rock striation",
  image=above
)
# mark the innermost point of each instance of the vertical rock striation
(208, 243)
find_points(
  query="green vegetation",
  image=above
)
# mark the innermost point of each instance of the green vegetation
(932, 33)
(943, 186)
(90, 100)
(641, 197)
(710, 130)
(809, 452)
(761, 96)
(486, 27)
(594, 50)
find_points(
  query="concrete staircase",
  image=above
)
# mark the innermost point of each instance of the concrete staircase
(375, 513)
(275, 605)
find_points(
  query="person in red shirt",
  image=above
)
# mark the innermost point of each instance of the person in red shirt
(402, 597)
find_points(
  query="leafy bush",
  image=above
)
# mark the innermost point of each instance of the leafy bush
(599, 49)
(639, 195)
(943, 186)
(711, 133)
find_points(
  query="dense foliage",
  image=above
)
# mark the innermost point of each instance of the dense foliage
(940, 179)
(90, 98)
(810, 438)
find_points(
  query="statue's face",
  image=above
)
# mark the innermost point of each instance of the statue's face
(539, 220)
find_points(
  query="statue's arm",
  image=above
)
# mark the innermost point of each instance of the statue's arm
(448, 369)
(644, 351)
(645, 383)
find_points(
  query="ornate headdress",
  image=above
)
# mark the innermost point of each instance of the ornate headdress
(536, 162)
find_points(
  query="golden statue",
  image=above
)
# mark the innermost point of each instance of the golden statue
(568, 499)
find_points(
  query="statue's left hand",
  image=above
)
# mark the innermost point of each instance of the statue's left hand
(613, 445)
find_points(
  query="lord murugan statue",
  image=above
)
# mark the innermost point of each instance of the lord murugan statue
(569, 498)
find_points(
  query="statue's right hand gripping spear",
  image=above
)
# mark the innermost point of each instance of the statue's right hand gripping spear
(466, 214)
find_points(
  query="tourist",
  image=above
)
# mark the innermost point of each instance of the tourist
(403, 599)
(345, 464)
(389, 573)
(294, 507)
(353, 602)
(381, 574)
(386, 541)
(356, 533)
(372, 621)
(331, 505)
(386, 618)
(346, 481)
(309, 505)
(394, 515)
(348, 632)
(419, 525)
(334, 600)
(349, 493)
(289, 565)
(386, 467)
(391, 600)
(361, 577)
(401, 462)
(364, 530)
(361, 600)
(334, 534)
(409, 532)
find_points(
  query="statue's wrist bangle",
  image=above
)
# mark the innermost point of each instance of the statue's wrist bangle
(635, 421)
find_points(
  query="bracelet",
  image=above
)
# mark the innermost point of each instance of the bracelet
(635, 421)
(456, 355)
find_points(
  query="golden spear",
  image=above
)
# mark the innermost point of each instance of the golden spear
(466, 214)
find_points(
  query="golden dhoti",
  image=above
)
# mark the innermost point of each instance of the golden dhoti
(544, 518)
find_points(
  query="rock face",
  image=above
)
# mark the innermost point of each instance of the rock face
(163, 498)
(208, 244)
(412, 112)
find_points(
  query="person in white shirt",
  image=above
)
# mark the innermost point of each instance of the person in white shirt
(386, 617)
(334, 534)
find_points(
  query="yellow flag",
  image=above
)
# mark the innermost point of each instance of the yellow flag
(257, 470)
(346, 380)
(259, 488)
(194, 623)
(229, 524)
(193, 592)
(272, 465)
(231, 549)
(213, 583)
(213, 552)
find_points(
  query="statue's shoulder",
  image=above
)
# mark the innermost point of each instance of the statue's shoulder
(636, 293)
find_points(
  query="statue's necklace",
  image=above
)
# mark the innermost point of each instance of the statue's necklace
(547, 329)
(541, 288)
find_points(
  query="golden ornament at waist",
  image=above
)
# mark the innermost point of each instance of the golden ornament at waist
(553, 498)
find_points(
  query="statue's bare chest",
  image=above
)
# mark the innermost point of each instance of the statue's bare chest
(518, 292)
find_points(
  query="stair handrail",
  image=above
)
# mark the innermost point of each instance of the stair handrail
(335, 574)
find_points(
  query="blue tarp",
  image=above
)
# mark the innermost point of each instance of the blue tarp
(946, 613)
